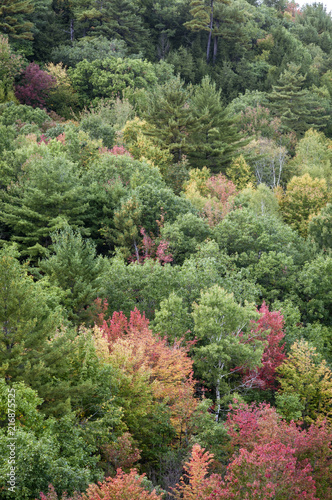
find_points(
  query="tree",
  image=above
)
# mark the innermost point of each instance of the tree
(268, 161)
(36, 86)
(194, 484)
(302, 373)
(221, 327)
(252, 428)
(272, 324)
(28, 318)
(155, 387)
(44, 447)
(75, 268)
(170, 119)
(304, 197)
(108, 78)
(320, 228)
(113, 19)
(313, 156)
(48, 194)
(295, 105)
(257, 474)
(216, 137)
(10, 67)
(12, 19)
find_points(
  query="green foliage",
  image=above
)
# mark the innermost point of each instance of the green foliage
(90, 49)
(10, 113)
(170, 119)
(184, 234)
(110, 77)
(320, 228)
(47, 195)
(172, 318)
(46, 450)
(216, 136)
(75, 268)
(219, 321)
(296, 106)
(11, 21)
(29, 315)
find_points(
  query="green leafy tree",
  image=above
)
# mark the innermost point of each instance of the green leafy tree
(304, 374)
(29, 315)
(304, 197)
(313, 156)
(110, 77)
(46, 450)
(221, 326)
(320, 228)
(10, 67)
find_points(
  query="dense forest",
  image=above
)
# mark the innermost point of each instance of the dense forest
(165, 250)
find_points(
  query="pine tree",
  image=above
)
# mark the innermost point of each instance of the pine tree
(216, 137)
(75, 268)
(26, 320)
(113, 19)
(169, 118)
(296, 106)
(47, 194)
(12, 19)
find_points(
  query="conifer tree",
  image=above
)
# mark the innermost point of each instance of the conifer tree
(295, 105)
(75, 268)
(26, 320)
(216, 137)
(12, 19)
(169, 118)
(48, 194)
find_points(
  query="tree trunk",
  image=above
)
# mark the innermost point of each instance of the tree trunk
(72, 30)
(210, 34)
(215, 45)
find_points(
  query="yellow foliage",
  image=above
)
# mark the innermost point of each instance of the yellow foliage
(301, 373)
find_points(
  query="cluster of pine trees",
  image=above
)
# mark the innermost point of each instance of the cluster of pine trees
(165, 250)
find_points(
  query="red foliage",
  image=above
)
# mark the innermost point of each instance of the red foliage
(35, 86)
(273, 355)
(43, 139)
(116, 151)
(221, 202)
(269, 471)
(121, 487)
(254, 428)
(149, 250)
(194, 484)
(118, 325)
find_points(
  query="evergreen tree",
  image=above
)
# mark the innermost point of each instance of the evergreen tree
(13, 21)
(75, 268)
(169, 118)
(216, 137)
(113, 19)
(27, 320)
(48, 194)
(295, 105)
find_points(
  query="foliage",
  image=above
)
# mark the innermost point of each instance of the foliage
(35, 86)
(304, 197)
(303, 374)
(273, 355)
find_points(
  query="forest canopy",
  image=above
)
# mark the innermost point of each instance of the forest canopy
(165, 250)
